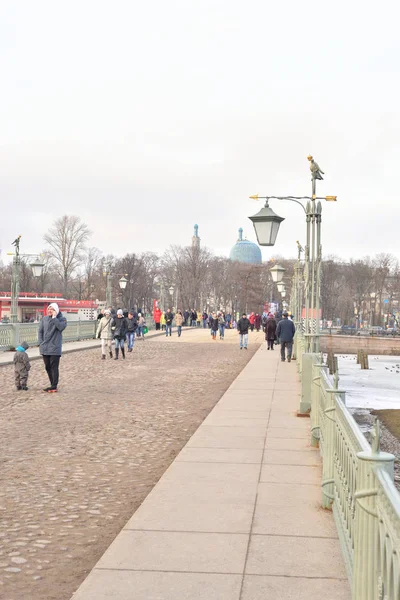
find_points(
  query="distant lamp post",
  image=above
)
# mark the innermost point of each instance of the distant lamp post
(123, 283)
(277, 273)
(266, 224)
(171, 291)
(107, 274)
(37, 268)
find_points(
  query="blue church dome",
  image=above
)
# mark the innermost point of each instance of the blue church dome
(245, 251)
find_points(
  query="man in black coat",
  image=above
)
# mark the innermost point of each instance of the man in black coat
(285, 331)
(243, 330)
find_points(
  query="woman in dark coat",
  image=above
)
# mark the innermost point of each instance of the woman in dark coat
(214, 326)
(119, 327)
(270, 332)
(257, 322)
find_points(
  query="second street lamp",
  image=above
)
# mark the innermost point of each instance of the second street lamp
(277, 273)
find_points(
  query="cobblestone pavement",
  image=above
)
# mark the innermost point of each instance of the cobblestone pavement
(74, 466)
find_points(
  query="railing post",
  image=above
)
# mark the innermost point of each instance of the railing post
(15, 341)
(308, 359)
(366, 548)
(78, 330)
(328, 465)
(315, 403)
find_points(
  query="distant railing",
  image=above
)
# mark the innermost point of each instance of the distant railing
(357, 484)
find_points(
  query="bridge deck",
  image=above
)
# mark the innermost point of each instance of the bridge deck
(237, 515)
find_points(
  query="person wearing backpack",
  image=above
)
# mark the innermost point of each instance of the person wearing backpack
(119, 327)
(221, 325)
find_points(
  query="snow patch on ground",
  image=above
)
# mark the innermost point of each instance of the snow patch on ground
(375, 388)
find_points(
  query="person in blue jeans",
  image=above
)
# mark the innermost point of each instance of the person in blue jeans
(169, 317)
(119, 327)
(179, 322)
(221, 325)
(130, 334)
(243, 330)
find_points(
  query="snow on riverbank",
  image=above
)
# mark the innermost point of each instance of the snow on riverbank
(375, 388)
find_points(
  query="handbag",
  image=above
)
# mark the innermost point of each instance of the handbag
(145, 329)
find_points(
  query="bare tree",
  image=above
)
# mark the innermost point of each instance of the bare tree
(66, 240)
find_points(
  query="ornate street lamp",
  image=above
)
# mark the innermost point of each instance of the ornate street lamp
(281, 287)
(266, 225)
(277, 273)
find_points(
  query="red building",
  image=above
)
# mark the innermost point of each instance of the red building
(34, 306)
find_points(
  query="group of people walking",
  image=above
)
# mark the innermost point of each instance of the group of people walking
(280, 330)
(119, 328)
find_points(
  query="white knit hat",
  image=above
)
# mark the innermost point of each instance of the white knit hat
(54, 306)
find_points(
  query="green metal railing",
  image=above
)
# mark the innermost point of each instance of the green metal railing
(357, 484)
(12, 334)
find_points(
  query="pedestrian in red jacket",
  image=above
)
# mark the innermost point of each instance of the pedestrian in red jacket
(157, 317)
(252, 318)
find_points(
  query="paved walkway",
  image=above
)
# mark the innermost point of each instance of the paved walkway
(237, 515)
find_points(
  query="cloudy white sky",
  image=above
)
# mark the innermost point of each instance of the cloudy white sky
(146, 117)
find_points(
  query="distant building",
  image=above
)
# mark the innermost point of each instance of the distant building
(32, 307)
(195, 238)
(245, 251)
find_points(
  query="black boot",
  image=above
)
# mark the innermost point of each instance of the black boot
(24, 387)
(116, 353)
(103, 357)
(111, 354)
(123, 353)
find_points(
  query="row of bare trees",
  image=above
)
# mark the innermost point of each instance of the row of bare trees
(354, 292)
(361, 292)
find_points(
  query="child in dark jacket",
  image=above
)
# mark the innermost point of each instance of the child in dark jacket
(21, 366)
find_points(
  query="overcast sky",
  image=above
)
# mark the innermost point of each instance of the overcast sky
(144, 118)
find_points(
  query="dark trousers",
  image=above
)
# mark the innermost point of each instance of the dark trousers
(270, 344)
(21, 378)
(157, 326)
(52, 364)
(287, 345)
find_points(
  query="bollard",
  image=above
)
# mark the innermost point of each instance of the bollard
(364, 360)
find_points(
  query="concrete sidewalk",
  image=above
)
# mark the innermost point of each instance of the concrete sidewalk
(237, 515)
